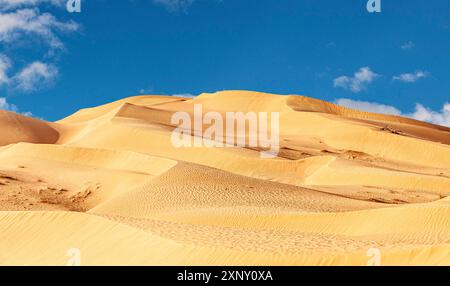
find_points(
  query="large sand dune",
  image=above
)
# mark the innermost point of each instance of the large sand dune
(108, 181)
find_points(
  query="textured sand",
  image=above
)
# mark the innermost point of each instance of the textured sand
(107, 181)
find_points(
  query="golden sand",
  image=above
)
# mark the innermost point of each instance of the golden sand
(107, 181)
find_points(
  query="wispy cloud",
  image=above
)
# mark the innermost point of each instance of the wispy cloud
(5, 105)
(26, 22)
(175, 5)
(35, 76)
(437, 117)
(5, 64)
(368, 106)
(147, 90)
(408, 45)
(411, 77)
(421, 112)
(21, 21)
(32, 77)
(363, 77)
(186, 95)
(14, 4)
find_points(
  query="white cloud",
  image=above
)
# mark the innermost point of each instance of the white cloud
(187, 95)
(30, 78)
(5, 64)
(426, 114)
(368, 106)
(358, 82)
(421, 112)
(408, 45)
(5, 105)
(175, 5)
(35, 76)
(147, 90)
(14, 4)
(411, 77)
(22, 20)
(27, 21)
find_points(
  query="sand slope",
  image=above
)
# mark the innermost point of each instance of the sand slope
(18, 128)
(100, 241)
(108, 181)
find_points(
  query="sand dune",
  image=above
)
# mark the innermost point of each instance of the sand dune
(18, 128)
(96, 175)
(109, 182)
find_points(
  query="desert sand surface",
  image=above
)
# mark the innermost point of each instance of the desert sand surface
(108, 182)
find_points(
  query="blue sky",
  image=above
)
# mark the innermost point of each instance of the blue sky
(53, 63)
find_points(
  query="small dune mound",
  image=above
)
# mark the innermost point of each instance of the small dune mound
(243, 101)
(18, 128)
(93, 113)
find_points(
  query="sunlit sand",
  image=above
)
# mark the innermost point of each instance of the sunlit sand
(107, 181)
